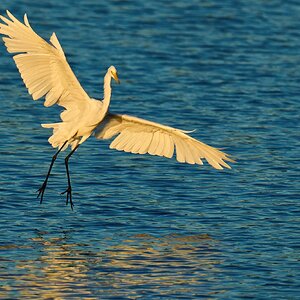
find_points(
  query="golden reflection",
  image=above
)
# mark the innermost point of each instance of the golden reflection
(169, 264)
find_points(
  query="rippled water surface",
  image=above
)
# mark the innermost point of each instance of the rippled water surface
(147, 227)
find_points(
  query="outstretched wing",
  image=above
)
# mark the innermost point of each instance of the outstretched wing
(43, 66)
(136, 135)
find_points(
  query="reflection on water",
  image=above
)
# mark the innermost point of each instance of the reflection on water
(170, 265)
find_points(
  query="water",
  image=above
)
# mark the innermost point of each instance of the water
(147, 227)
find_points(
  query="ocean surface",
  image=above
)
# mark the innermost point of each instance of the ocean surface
(145, 227)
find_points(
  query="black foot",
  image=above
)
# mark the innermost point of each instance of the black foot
(69, 196)
(41, 191)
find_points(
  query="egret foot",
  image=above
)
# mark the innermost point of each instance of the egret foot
(69, 196)
(41, 191)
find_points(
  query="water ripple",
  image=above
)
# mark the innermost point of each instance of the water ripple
(145, 227)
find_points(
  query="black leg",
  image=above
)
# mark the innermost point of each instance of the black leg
(42, 189)
(69, 189)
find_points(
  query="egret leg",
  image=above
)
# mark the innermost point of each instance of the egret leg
(69, 188)
(42, 189)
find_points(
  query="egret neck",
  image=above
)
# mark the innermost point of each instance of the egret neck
(106, 91)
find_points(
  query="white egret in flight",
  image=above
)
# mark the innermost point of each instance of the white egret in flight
(46, 73)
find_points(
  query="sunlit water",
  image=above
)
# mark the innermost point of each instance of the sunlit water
(147, 227)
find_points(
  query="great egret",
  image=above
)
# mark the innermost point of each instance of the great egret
(46, 72)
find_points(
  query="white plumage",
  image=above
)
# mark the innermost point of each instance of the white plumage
(136, 135)
(46, 73)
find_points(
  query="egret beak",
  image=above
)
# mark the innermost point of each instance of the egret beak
(115, 77)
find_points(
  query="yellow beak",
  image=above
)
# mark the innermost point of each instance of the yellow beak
(115, 77)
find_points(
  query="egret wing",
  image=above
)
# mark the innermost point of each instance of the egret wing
(137, 135)
(43, 66)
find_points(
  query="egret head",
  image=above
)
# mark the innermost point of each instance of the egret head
(114, 74)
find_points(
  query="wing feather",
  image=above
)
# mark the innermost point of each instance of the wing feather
(43, 66)
(39, 84)
(170, 151)
(40, 91)
(131, 142)
(161, 145)
(195, 153)
(147, 141)
(167, 145)
(116, 141)
(141, 136)
(154, 143)
(189, 157)
(125, 136)
(179, 150)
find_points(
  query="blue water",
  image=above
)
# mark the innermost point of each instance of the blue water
(145, 227)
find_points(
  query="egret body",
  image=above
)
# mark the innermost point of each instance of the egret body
(46, 73)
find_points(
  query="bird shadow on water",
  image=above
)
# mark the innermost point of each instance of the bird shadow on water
(116, 266)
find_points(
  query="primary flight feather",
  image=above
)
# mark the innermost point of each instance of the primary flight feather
(46, 73)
